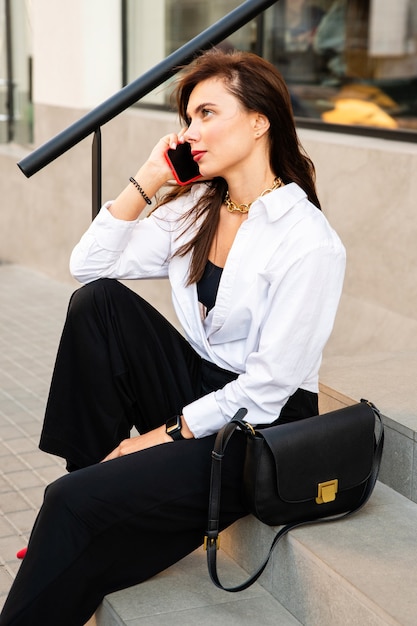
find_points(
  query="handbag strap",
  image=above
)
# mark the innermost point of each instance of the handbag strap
(211, 541)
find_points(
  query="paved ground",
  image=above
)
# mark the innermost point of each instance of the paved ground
(32, 311)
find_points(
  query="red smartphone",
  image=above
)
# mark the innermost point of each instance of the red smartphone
(181, 162)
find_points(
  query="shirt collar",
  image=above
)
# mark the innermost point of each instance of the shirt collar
(280, 201)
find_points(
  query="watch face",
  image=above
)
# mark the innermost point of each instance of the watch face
(173, 424)
(173, 427)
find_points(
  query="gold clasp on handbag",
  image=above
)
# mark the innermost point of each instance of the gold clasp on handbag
(209, 541)
(327, 491)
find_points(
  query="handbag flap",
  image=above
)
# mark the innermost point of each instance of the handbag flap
(334, 446)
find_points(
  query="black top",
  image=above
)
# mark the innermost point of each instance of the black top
(208, 285)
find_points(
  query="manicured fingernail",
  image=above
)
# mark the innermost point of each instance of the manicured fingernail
(173, 145)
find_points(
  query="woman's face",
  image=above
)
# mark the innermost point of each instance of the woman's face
(222, 134)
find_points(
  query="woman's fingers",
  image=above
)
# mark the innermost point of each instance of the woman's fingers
(173, 139)
(135, 444)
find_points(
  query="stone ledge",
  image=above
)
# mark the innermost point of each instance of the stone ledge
(358, 571)
(184, 595)
(388, 380)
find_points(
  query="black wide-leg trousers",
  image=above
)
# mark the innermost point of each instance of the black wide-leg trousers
(111, 525)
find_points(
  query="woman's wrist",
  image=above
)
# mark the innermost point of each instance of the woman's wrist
(185, 431)
(138, 193)
(143, 185)
(141, 191)
(152, 177)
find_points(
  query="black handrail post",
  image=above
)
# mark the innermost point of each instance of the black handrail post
(260, 34)
(96, 169)
(9, 69)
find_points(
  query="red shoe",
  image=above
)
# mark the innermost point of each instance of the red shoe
(22, 553)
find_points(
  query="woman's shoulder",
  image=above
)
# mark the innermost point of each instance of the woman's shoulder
(305, 225)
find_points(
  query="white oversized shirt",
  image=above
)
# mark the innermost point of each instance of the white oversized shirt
(275, 306)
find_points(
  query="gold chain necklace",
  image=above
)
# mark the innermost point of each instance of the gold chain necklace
(244, 208)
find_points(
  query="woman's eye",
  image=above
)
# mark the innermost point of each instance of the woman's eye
(206, 112)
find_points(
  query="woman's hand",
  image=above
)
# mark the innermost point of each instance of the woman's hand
(153, 174)
(135, 444)
(147, 440)
(157, 159)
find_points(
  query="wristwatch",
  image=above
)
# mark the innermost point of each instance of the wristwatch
(173, 427)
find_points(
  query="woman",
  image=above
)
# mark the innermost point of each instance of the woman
(256, 274)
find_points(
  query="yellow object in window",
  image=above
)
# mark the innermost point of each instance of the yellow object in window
(358, 112)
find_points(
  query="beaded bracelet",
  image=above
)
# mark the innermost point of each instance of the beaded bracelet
(139, 188)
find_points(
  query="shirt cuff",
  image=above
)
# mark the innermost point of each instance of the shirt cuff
(203, 416)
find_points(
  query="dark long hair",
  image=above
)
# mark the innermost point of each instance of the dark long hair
(259, 87)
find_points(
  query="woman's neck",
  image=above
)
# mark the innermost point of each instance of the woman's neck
(246, 188)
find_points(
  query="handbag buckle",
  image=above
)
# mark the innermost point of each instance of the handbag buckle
(250, 428)
(210, 541)
(327, 491)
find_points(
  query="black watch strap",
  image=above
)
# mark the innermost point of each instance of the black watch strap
(173, 427)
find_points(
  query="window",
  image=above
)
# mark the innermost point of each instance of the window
(15, 71)
(154, 33)
(346, 62)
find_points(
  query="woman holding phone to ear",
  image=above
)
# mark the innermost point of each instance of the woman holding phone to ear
(256, 274)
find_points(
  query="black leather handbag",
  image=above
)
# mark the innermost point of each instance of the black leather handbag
(321, 468)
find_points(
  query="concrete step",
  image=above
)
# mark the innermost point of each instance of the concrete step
(360, 571)
(184, 595)
(357, 572)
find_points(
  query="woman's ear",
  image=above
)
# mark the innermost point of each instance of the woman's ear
(260, 124)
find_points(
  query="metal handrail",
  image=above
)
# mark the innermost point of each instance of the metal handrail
(134, 91)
